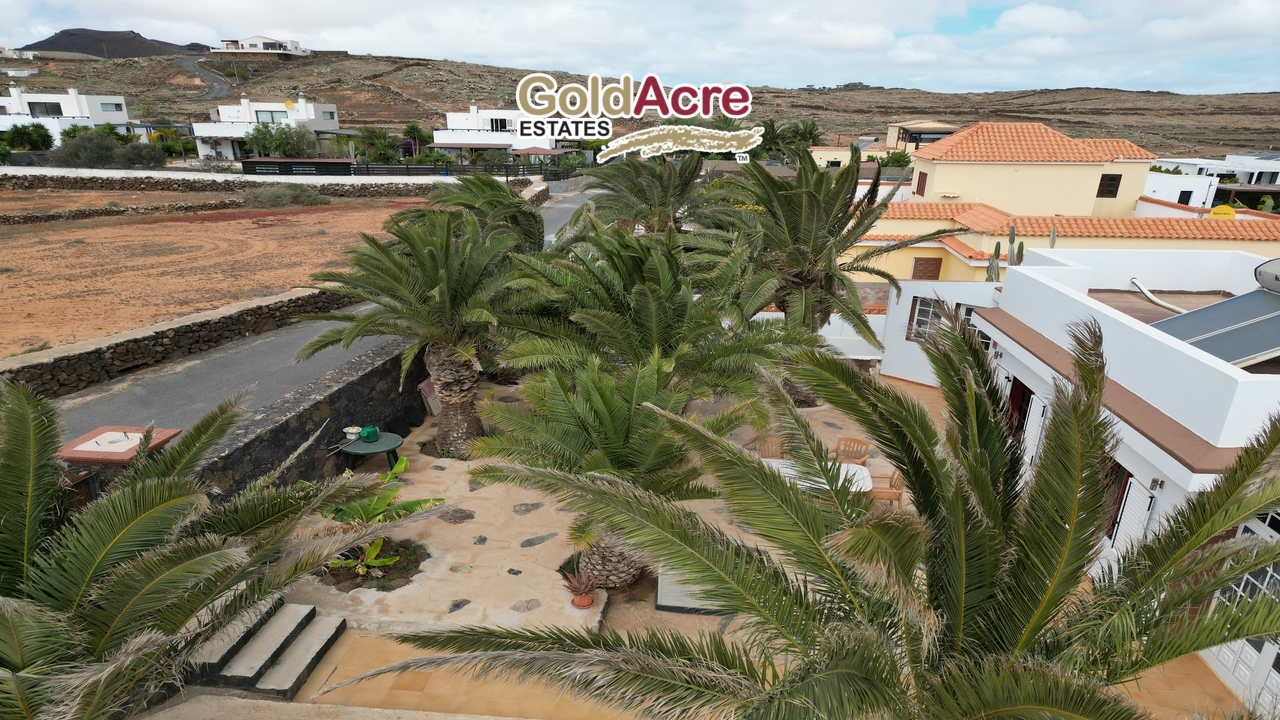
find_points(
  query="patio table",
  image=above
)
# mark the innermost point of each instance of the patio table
(387, 442)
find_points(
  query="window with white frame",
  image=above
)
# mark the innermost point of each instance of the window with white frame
(328, 115)
(272, 116)
(112, 107)
(926, 315)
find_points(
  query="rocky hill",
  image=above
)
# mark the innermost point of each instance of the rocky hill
(391, 91)
(110, 44)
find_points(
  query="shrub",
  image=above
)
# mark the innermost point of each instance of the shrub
(432, 157)
(149, 156)
(267, 140)
(5, 153)
(89, 150)
(897, 158)
(284, 195)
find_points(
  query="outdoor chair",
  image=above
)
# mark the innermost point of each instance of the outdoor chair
(852, 450)
(891, 494)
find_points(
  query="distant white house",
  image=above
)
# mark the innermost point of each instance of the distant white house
(1194, 191)
(20, 72)
(61, 111)
(224, 137)
(1254, 168)
(487, 130)
(262, 45)
(18, 54)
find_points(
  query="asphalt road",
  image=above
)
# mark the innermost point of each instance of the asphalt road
(177, 394)
(220, 88)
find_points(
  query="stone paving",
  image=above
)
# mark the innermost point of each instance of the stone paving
(494, 557)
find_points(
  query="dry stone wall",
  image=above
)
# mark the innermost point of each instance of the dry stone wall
(66, 369)
(225, 183)
(175, 208)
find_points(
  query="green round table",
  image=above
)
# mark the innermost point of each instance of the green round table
(387, 442)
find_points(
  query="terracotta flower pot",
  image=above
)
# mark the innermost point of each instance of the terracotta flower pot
(583, 601)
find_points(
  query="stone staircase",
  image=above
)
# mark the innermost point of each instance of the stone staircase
(271, 650)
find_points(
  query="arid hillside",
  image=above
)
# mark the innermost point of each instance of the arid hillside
(392, 91)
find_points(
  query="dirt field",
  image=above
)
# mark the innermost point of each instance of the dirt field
(72, 281)
(13, 201)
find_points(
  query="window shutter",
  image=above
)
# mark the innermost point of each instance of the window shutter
(1033, 432)
(1135, 510)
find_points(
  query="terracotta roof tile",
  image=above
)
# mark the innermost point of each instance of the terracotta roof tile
(1157, 228)
(1025, 142)
(908, 210)
(985, 218)
(1119, 148)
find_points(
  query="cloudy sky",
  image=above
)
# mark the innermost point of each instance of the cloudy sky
(943, 45)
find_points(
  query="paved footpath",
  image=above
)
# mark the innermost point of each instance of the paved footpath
(177, 394)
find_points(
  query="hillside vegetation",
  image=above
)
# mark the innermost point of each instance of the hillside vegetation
(391, 91)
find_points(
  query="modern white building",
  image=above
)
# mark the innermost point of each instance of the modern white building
(21, 72)
(1191, 190)
(262, 45)
(59, 111)
(1186, 391)
(224, 137)
(485, 130)
(1254, 168)
(18, 54)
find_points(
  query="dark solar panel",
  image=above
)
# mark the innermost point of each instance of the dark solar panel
(1220, 316)
(1241, 329)
(1260, 340)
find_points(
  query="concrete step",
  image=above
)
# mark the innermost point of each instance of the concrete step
(247, 666)
(209, 659)
(286, 677)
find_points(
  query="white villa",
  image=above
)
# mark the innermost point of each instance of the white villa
(59, 111)
(262, 45)
(1187, 391)
(12, 54)
(224, 137)
(487, 130)
(1255, 168)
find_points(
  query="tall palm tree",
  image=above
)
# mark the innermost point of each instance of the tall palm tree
(980, 606)
(496, 206)
(627, 300)
(651, 195)
(379, 146)
(435, 283)
(414, 133)
(590, 420)
(807, 231)
(805, 133)
(101, 608)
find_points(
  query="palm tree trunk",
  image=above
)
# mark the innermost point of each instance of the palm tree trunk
(611, 562)
(455, 380)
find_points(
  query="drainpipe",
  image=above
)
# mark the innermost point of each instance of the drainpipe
(1147, 294)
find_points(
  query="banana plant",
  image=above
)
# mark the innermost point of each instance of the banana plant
(368, 560)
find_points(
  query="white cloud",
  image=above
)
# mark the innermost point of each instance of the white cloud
(1185, 45)
(1041, 20)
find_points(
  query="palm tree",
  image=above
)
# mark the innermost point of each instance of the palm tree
(805, 230)
(379, 146)
(435, 284)
(650, 195)
(496, 206)
(589, 420)
(102, 607)
(805, 133)
(414, 133)
(627, 300)
(980, 606)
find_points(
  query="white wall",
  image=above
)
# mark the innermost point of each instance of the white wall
(841, 336)
(1163, 186)
(904, 358)
(1219, 402)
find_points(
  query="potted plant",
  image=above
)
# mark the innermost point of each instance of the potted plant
(583, 588)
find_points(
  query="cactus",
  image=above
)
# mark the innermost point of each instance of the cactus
(1016, 253)
(1053, 236)
(993, 265)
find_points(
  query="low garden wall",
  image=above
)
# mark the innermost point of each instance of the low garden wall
(365, 390)
(113, 210)
(66, 369)
(229, 183)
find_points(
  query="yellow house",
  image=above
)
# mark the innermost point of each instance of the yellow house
(914, 134)
(834, 156)
(965, 255)
(1030, 169)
